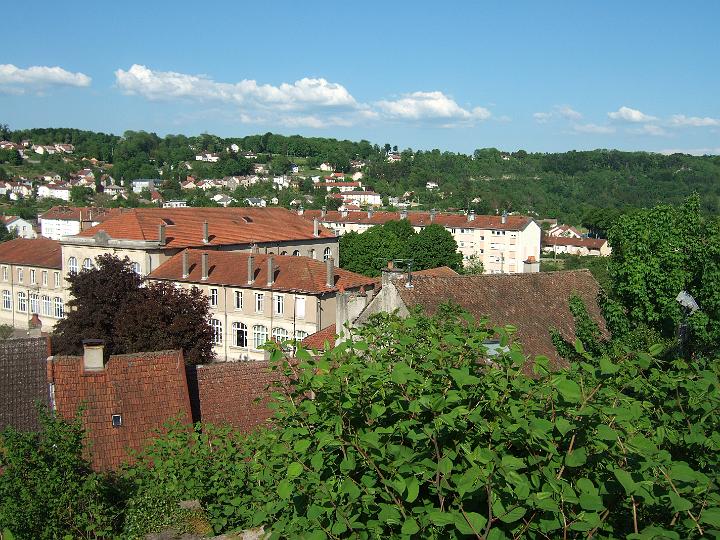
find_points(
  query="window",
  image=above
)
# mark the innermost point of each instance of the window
(136, 267)
(87, 264)
(238, 300)
(57, 279)
(279, 335)
(5, 273)
(7, 300)
(260, 335)
(22, 302)
(34, 303)
(59, 308)
(44, 278)
(312, 253)
(33, 277)
(300, 335)
(300, 307)
(72, 265)
(296, 253)
(259, 302)
(213, 297)
(217, 336)
(327, 254)
(46, 305)
(21, 274)
(240, 334)
(279, 304)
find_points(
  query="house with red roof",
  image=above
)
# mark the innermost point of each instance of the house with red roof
(576, 246)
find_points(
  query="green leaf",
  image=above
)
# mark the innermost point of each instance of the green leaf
(512, 463)
(412, 488)
(470, 522)
(440, 518)
(285, 489)
(410, 526)
(683, 473)
(606, 433)
(568, 389)
(402, 373)
(679, 504)
(513, 515)
(591, 502)
(711, 516)
(579, 347)
(562, 425)
(626, 480)
(389, 514)
(7, 535)
(607, 367)
(349, 487)
(656, 349)
(576, 458)
(301, 445)
(338, 527)
(294, 470)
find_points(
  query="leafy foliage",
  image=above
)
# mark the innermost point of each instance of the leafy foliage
(111, 302)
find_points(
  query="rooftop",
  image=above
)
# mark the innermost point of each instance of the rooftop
(41, 252)
(227, 226)
(292, 274)
(78, 213)
(423, 219)
(591, 243)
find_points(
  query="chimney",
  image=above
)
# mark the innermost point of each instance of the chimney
(344, 213)
(301, 210)
(161, 234)
(389, 274)
(206, 232)
(432, 215)
(403, 213)
(205, 258)
(35, 326)
(186, 264)
(531, 265)
(316, 228)
(93, 355)
(503, 218)
(251, 270)
(271, 271)
(255, 248)
(323, 211)
(370, 213)
(471, 215)
(330, 271)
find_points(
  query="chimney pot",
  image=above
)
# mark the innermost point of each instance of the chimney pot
(432, 214)
(205, 258)
(301, 210)
(271, 271)
(323, 211)
(206, 232)
(251, 270)
(93, 350)
(403, 214)
(471, 215)
(330, 271)
(503, 218)
(186, 264)
(370, 213)
(161, 234)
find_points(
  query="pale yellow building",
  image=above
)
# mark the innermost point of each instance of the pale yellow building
(502, 243)
(31, 282)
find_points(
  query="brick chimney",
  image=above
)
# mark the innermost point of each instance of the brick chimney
(330, 272)
(271, 271)
(204, 266)
(251, 270)
(186, 264)
(316, 228)
(206, 232)
(93, 350)
(531, 265)
(300, 210)
(161, 234)
(34, 326)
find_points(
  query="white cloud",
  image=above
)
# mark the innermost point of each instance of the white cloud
(680, 120)
(162, 85)
(649, 129)
(593, 128)
(430, 106)
(627, 114)
(36, 78)
(693, 151)
(559, 111)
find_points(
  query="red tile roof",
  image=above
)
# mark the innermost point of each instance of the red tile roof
(75, 213)
(590, 243)
(292, 274)
(41, 252)
(534, 302)
(422, 219)
(319, 341)
(146, 389)
(226, 226)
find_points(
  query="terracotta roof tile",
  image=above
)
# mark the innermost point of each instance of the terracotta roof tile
(226, 226)
(146, 389)
(74, 213)
(422, 219)
(591, 243)
(533, 302)
(296, 274)
(32, 252)
(318, 340)
(22, 382)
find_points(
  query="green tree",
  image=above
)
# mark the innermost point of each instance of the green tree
(434, 246)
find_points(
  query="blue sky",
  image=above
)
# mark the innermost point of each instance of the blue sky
(541, 76)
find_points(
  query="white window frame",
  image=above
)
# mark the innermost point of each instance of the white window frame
(259, 302)
(57, 279)
(300, 305)
(46, 305)
(217, 331)
(259, 333)
(279, 304)
(34, 302)
(240, 329)
(21, 275)
(213, 297)
(327, 253)
(44, 278)
(58, 307)
(300, 335)
(238, 300)
(87, 263)
(280, 334)
(72, 265)
(7, 300)
(5, 273)
(22, 302)
(33, 276)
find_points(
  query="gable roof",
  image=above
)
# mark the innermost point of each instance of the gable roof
(32, 252)
(292, 274)
(533, 302)
(22, 382)
(422, 219)
(76, 213)
(590, 243)
(319, 339)
(227, 226)
(146, 389)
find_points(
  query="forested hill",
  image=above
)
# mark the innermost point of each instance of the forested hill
(570, 185)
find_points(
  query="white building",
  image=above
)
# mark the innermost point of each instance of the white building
(62, 221)
(21, 227)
